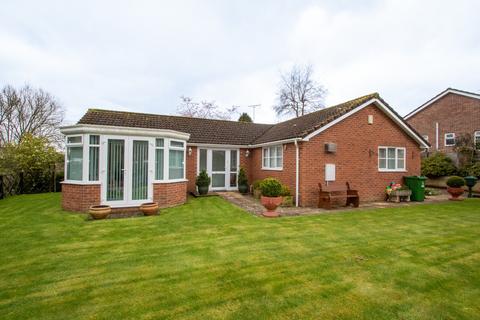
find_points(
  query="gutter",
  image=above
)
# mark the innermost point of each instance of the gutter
(297, 173)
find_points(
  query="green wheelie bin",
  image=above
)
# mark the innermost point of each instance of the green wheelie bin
(417, 185)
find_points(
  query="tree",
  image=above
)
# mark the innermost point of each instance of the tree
(28, 110)
(244, 117)
(204, 109)
(299, 93)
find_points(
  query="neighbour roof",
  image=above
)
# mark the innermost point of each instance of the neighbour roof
(440, 95)
(209, 131)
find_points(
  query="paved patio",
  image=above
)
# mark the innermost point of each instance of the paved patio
(252, 205)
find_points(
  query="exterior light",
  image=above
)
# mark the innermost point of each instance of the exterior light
(247, 153)
(190, 151)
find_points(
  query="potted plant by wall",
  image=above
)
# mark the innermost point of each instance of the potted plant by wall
(242, 181)
(455, 187)
(99, 212)
(287, 199)
(149, 208)
(203, 182)
(271, 196)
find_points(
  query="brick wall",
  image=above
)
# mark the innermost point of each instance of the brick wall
(356, 159)
(77, 197)
(170, 194)
(454, 113)
(191, 169)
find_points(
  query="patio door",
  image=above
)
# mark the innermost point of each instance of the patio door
(222, 166)
(128, 168)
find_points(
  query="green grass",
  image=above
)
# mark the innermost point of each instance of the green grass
(208, 259)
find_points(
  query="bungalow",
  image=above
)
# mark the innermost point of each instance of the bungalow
(124, 159)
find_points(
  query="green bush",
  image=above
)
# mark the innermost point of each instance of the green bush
(438, 165)
(256, 184)
(471, 170)
(202, 179)
(242, 178)
(455, 182)
(285, 191)
(271, 187)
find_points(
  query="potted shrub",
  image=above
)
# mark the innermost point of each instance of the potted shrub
(271, 189)
(455, 187)
(99, 212)
(242, 181)
(149, 208)
(257, 192)
(203, 182)
(287, 200)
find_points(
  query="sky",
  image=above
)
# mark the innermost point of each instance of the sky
(143, 55)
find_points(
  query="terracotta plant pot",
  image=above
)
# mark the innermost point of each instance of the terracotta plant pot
(99, 212)
(149, 208)
(455, 193)
(271, 204)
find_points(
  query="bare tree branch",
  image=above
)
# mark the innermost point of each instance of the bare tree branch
(298, 93)
(204, 109)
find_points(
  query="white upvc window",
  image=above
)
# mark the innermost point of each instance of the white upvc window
(93, 157)
(176, 160)
(74, 158)
(449, 139)
(476, 139)
(272, 157)
(159, 159)
(391, 159)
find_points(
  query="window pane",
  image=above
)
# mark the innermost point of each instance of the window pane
(74, 163)
(382, 153)
(233, 179)
(76, 139)
(176, 144)
(391, 153)
(218, 180)
(93, 163)
(400, 164)
(233, 160)
(265, 157)
(140, 170)
(95, 140)
(159, 163)
(218, 160)
(159, 142)
(203, 159)
(391, 164)
(279, 162)
(175, 170)
(272, 162)
(382, 164)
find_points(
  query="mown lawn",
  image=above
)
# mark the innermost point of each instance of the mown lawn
(209, 259)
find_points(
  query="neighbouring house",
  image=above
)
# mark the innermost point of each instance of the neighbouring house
(445, 117)
(124, 159)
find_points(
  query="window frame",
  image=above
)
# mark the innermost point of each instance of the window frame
(404, 169)
(89, 146)
(75, 145)
(266, 154)
(476, 135)
(167, 146)
(445, 139)
(177, 148)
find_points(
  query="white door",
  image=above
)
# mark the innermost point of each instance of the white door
(127, 170)
(222, 167)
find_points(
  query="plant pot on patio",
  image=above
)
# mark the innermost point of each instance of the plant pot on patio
(202, 182)
(99, 212)
(271, 199)
(455, 187)
(242, 182)
(149, 208)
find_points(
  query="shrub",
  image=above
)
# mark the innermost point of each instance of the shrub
(438, 165)
(202, 179)
(242, 178)
(470, 170)
(256, 184)
(455, 182)
(271, 187)
(285, 191)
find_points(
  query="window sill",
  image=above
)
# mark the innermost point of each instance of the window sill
(386, 170)
(272, 169)
(80, 182)
(169, 181)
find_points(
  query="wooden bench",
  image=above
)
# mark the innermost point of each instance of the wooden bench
(330, 192)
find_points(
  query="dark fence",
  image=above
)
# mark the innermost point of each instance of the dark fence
(30, 182)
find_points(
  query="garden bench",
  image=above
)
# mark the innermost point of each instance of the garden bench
(331, 192)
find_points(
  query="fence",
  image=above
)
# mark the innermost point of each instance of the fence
(31, 182)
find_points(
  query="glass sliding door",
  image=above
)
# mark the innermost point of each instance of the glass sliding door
(139, 170)
(115, 170)
(221, 166)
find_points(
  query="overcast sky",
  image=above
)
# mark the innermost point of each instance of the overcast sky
(143, 55)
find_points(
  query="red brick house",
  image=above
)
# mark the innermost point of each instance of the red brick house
(445, 117)
(124, 159)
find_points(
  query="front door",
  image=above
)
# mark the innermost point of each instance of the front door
(128, 170)
(222, 167)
